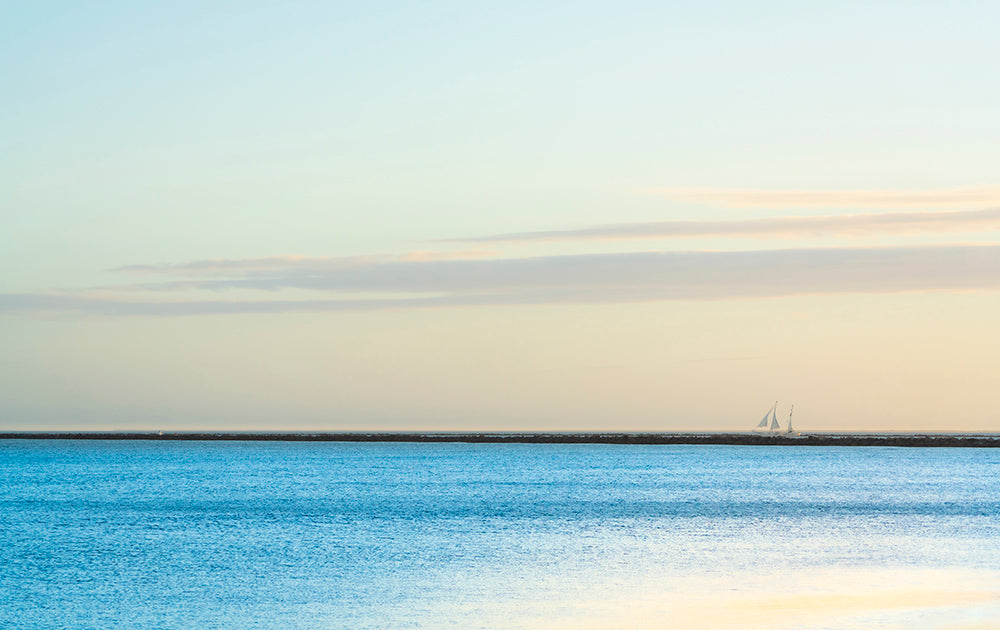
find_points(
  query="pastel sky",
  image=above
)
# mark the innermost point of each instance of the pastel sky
(648, 216)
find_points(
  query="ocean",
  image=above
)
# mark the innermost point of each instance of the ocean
(310, 535)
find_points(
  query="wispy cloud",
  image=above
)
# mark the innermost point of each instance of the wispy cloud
(751, 198)
(593, 278)
(271, 264)
(33, 303)
(857, 225)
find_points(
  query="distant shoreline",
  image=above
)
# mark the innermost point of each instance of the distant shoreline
(980, 440)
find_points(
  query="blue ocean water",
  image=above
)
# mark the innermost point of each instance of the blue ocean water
(337, 535)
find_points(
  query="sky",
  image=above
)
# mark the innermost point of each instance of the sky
(558, 216)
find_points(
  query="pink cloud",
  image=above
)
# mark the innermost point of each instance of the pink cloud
(751, 198)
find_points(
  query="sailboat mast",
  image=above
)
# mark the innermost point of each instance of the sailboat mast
(790, 418)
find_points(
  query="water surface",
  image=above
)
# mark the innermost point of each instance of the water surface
(369, 535)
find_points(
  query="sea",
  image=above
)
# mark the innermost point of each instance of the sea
(327, 535)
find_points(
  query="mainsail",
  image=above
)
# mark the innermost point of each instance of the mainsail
(774, 417)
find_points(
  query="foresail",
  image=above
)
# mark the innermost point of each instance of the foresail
(763, 423)
(774, 419)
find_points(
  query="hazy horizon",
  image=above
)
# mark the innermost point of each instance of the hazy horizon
(446, 217)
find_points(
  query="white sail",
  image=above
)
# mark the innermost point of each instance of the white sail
(763, 423)
(790, 418)
(774, 418)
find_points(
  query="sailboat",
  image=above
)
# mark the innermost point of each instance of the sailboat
(769, 422)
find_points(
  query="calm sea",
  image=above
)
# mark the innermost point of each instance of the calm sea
(335, 535)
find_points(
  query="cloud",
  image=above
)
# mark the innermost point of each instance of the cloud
(277, 263)
(780, 227)
(591, 278)
(749, 198)
(34, 303)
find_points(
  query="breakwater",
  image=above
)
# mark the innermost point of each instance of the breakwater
(747, 439)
